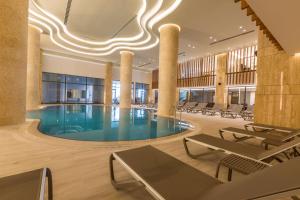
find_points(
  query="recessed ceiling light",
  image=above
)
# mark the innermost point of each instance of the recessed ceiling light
(244, 30)
(194, 47)
(189, 45)
(210, 37)
(215, 40)
(241, 27)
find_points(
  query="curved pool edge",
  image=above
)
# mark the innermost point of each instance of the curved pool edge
(33, 130)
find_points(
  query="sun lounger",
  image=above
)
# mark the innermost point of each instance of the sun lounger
(234, 111)
(214, 110)
(187, 106)
(198, 108)
(167, 178)
(248, 113)
(26, 186)
(275, 137)
(240, 149)
(265, 127)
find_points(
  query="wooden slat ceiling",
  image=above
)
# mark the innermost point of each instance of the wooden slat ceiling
(259, 23)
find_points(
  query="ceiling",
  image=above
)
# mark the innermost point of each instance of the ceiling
(204, 24)
(283, 25)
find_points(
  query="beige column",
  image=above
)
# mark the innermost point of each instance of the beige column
(277, 99)
(34, 71)
(108, 84)
(221, 92)
(150, 92)
(13, 61)
(125, 79)
(168, 57)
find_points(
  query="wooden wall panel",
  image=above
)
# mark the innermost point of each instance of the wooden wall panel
(241, 66)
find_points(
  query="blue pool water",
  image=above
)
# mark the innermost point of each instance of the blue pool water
(103, 123)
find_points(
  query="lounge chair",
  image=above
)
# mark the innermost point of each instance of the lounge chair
(167, 178)
(255, 153)
(187, 106)
(272, 137)
(198, 108)
(180, 105)
(248, 113)
(265, 127)
(29, 185)
(214, 110)
(234, 111)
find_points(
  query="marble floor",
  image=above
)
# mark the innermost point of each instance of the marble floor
(80, 169)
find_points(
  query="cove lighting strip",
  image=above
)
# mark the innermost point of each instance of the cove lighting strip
(146, 20)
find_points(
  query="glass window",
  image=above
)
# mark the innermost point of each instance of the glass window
(183, 95)
(59, 88)
(53, 92)
(141, 93)
(75, 79)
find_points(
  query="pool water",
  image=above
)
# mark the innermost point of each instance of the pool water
(103, 123)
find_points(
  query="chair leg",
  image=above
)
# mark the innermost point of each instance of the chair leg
(50, 184)
(218, 170)
(111, 170)
(229, 174)
(221, 134)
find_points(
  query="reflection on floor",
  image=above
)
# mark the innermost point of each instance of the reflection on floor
(80, 169)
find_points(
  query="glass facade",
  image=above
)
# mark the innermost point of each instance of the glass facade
(61, 88)
(241, 95)
(141, 93)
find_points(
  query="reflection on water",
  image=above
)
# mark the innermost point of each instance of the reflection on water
(103, 123)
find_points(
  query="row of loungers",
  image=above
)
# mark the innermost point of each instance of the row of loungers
(166, 177)
(233, 111)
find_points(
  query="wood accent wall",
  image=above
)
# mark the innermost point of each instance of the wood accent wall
(197, 72)
(241, 66)
(155, 74)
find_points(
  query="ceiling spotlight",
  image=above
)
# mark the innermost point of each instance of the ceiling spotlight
(215, 40)
(244, 30)
(210, 37)
(194, 47)
(241, 27)
(189, 45)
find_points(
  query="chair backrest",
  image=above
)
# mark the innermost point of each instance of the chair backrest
(279, 149)
(236, 107)
(277, 182)
(250, 108)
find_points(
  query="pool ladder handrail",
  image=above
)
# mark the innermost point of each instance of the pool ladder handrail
(173, 110)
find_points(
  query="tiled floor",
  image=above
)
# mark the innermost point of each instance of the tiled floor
(80, 169)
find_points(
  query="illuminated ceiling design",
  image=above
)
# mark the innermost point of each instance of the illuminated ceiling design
(148, 15)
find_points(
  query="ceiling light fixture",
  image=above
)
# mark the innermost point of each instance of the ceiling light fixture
(114, 46)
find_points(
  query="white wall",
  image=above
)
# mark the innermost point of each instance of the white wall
(64, 65)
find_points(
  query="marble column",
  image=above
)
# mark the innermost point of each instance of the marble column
(221, 92)
(108, 84)
(34, 70)
(126, 78)
(150, 92)
(13, 61)
(277, 99)
(168, 59)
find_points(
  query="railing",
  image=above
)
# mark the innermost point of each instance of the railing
(173, 111)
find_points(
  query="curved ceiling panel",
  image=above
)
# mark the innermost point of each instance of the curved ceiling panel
(141, 36)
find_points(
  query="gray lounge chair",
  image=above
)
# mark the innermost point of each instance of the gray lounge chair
(265, 127)
(272, 137)
(248, 113)
(214, 110)
(26, 186)
(234, 111)
(187, 106)
(198, 108)
(255, 153)
(167, 178)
